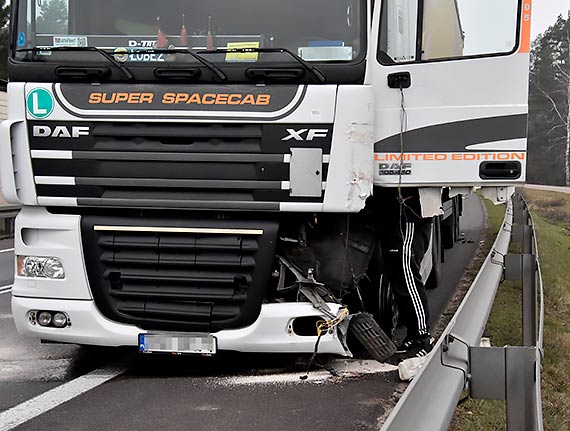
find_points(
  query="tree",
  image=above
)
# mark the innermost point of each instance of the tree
(53, 17)
(4, 39)
(549, 121)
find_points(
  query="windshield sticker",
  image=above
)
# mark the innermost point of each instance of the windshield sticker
(242, 56)
(71, 41)
(325, 53)
(121, 55)
(21, 39)
(142, 43)
(142, 56)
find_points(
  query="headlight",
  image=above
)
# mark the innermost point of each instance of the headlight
(40, 267)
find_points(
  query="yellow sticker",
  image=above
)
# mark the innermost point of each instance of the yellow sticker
(242, 56)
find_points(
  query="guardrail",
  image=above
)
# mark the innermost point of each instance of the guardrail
(7, 216)
(458, 364)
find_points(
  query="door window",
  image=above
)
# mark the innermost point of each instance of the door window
(423, 30)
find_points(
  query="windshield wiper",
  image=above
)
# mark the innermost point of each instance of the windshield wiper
(219, 73)
(122, 68)
(313, 69)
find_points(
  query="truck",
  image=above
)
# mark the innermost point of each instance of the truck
(198, 177)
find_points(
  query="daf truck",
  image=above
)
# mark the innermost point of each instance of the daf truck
(197, 176)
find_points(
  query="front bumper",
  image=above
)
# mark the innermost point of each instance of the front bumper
(270, 333)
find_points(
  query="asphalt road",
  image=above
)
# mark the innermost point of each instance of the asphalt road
(227, 392)
(6, 263)
(548, 188)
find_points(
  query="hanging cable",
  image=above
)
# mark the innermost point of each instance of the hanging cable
(323, 326)
(403, 129)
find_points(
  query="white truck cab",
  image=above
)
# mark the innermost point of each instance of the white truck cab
(204, 168)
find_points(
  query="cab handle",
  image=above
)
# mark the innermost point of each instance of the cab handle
(400, 80)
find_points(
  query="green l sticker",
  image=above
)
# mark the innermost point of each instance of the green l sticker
(40, 103)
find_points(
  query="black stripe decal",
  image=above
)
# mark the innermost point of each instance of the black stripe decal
(183, 115)
(178, 157)
(178, 183)
(457, 136)
(163, 203)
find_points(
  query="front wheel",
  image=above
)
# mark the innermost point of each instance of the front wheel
(388, 314)
(380, 299)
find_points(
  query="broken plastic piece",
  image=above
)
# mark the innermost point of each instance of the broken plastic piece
(368, 332)
(408, 368)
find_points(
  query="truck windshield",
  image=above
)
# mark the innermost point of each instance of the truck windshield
(315, 30)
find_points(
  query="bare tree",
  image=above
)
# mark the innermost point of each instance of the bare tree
(550, 99)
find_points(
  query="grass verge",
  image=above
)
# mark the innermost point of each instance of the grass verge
(551, 212)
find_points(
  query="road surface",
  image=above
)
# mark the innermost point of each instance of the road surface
(548, 188)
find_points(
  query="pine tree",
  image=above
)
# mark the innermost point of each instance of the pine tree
(53, 17)
(549, 133)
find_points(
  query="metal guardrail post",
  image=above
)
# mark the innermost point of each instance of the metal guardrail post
(523, 234)
(523, 267)
(521, 389)
(529, 301)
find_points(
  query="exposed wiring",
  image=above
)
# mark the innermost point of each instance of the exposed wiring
(346, 261)
(326, 325)
(357, 287)
(323, 326)
(403, 130)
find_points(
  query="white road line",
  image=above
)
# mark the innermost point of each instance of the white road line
(28, 410)
(5, 289)
(8, 250)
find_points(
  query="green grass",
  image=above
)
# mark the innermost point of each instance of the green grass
(552, 216)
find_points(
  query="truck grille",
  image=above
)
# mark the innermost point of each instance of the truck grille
(172, 165)
(205, 276)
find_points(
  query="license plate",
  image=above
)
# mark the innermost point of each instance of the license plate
(181, 344)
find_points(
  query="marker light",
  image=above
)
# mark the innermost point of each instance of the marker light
(44, 318)
(40, 267)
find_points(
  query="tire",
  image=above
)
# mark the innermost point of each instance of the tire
(387, 316)
(379, 298)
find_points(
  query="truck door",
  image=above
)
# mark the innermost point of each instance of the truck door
(451, 90)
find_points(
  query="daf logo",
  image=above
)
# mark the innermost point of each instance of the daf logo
(60, 131)
(310, 134)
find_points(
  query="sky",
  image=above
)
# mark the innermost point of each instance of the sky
(490, 25)
(545, 12)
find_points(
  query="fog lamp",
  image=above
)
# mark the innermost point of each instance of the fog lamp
(44, 318)
(59, 320)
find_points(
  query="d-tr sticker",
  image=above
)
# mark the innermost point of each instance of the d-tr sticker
(40, 103)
